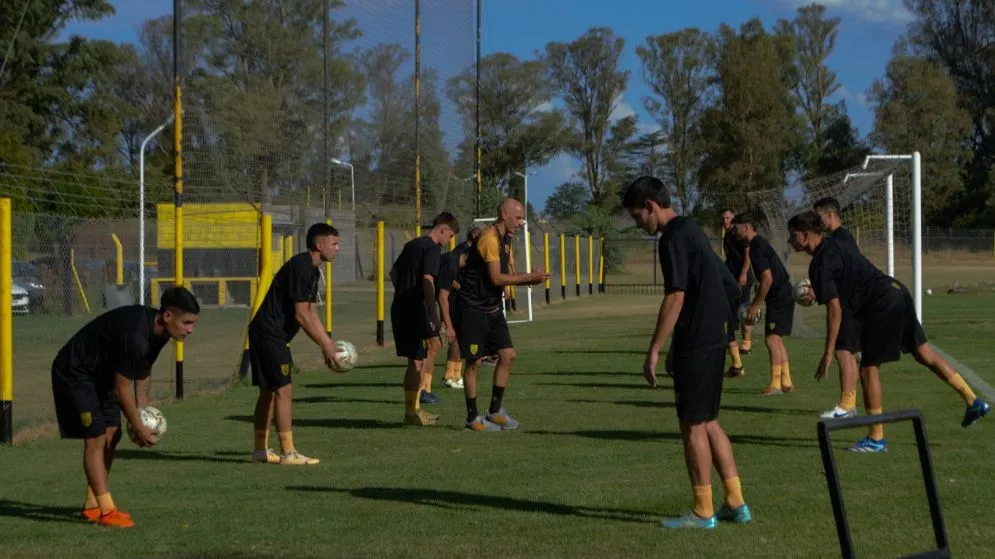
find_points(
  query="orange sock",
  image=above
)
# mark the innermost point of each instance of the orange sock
(734, 492)
(848, 400)
(411, 403)
(785, 375)
(286, 442)
(91, 499)
(450, 370)
(775, 377)
(877, 430)
(737, 361)
(459, 369)
(426, 382)
(261, 439)
(703, 501)
(106, 503)
(963, 389)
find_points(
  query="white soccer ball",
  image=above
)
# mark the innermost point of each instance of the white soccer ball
(346, 355)
(151, 418)
(744, 315)
(803, 290)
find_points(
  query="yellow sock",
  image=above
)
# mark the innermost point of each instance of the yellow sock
(737, 361)
(450, 370)
(734, 492)
(459, 369)
(960, 385)
(426, 382)
(91, 499)
(775, 377)
(261, 439)
(747, 344)
(105, 503)
(877, 430)
(703, 501)
(286, 442)
(785, 374)
(848, 400)
(411, 401)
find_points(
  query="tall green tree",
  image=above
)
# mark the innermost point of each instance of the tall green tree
(841, 146)
(568, 200)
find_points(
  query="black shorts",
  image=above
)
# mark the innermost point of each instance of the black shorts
(82, 409)
(732, 322)
(698, 384)
(412, 331)
(889, 328)
(480, 333)
(272, 364)
(779, 318)
(849, 336)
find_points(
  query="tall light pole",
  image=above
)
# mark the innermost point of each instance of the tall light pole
(352, 180)
(141, 208)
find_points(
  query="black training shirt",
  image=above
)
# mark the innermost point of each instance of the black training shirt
(838, 270)
(449, 270)
(763, 257)
(476, 289)
(735, 255)
(841, 235)
(690, 265)
(295, 282)
(419, 258)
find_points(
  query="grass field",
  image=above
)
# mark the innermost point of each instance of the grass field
(595, 466)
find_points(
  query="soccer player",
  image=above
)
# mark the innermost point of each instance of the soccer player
(776, 290)
(734, 293)
(738, 262)
(848, 341)
(414, 315)
(695, 310)
(481, 327)
(452, 263)
(92, 378)
(288, 307)
(840, 277)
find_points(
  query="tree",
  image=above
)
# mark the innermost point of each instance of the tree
(915, 109)
(841, 148)
(568, 201)
(586, 73)
(677, 70)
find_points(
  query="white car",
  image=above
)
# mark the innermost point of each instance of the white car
(20, 299)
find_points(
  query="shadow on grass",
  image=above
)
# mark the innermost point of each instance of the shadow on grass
(44, 513)
(148, 454)
(640, 352)
(577, 373)
(634, 385)
(670, 405)
(457, 500)
(632, 435)
(332, 423)
(334, 400)
(355, 385)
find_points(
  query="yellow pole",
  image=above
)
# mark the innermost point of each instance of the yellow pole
(79, 284)
(118, 260)
(178, 208)
(452, 243)
(417, 118)
(6, 327)
(328, 291)
(545, 256)
(577, 262)
(563, 266)
(590, 265)
(288, 247)
(380, 283)
(601, 265)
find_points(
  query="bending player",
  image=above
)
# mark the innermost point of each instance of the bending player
(481, 327)
(738, 263)
(734, 293)
(840, 277)
(776, 291)
(848, 340)
(92, 378)
(414, 315)
(695, 310)
(452, 263)
(288, 307)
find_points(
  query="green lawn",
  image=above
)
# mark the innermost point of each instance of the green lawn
(595, 466)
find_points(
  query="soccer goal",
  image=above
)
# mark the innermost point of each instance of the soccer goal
(521, 244)
(881, 202)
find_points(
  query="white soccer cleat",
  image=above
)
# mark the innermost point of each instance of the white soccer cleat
(838, 413)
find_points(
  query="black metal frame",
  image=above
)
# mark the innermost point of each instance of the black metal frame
(824, 428)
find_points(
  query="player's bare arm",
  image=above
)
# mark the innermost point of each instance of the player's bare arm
(766, 280)
(142, 389)
(834, 317)
(306, 316)
(504, 280)
(670, 310)
(447, 319)
(126, 400)
(431, 305)
(744, 273)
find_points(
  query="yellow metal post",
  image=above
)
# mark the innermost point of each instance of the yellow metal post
(601, 265)
(563, 266)
(118, 260)
(178, 203)
(6, 327)
(545, 254)
(577, 262)
(328, 291)
(380, 284)
(590, 265)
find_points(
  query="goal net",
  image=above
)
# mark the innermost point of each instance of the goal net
(876, 202)
(518, 307)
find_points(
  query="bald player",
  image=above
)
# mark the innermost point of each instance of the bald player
(480, 324)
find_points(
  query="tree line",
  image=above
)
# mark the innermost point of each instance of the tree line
(740, 108)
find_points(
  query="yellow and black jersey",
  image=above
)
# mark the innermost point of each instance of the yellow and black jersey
(476, 289)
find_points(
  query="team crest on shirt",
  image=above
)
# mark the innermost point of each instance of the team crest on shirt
(770, 328)
(285, 369)
(86, 419)
(473, 349)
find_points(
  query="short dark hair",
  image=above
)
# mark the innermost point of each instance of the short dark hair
(724, 210)
(807, 221)
(644, 189)
(446, 218)
(319, 229)
(745, 217)
(827, 204)
(178, 298)
(474, 230)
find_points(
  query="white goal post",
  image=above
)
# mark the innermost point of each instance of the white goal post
(527, 249)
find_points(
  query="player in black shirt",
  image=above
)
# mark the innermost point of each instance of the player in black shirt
(695, 310)
(848, 341)
(738, 263)
(842, 277)
(480, 324)
(734, 293)
(289, 306)
(452, 262)
(776, 291)
(414, 315)
(92, 378)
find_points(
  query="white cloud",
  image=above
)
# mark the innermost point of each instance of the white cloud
(622, 110)
(873, 11)
(865, 101)
(543, 108)
(841, 94)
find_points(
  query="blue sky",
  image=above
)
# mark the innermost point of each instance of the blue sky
(868, 30)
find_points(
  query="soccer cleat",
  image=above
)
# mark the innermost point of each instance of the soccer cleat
(975, 411)
(745, 351)
(739, 515)
(428, 398)
(735, 372)
(116, 519)
(868, 444)
(458, 383)
(481, 425)
(771, 391)
(294, 458)
(690, 520)
(420, 418)
(268, 456)
(503, 419)
(838, 413)
(452, 383)
(786, 389)
(93, 514)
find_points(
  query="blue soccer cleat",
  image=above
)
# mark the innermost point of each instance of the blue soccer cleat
(690, 520)
(975, 411)
(868, 444)
(739, 515)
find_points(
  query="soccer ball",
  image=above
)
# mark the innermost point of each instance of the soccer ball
(744, 315)
(152, 418)
(803, 289)
(346, 355)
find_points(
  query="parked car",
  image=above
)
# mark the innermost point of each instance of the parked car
(20, 299)
(26, 275)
